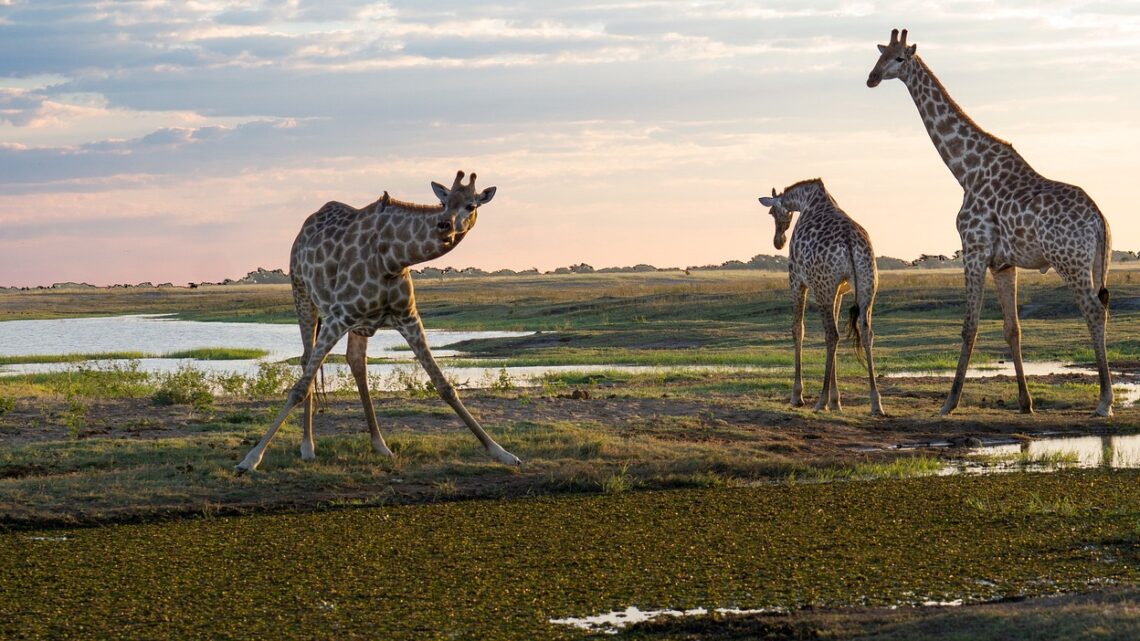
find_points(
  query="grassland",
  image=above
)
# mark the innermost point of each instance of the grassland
(503, 569)
(148, 460)
(203, 354)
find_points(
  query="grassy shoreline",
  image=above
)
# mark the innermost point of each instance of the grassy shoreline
(198, 354)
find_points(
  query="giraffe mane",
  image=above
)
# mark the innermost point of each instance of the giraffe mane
(804, 183)
(953, 104)
(414, 208)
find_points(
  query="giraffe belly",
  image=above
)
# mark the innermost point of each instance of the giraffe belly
(1025, 255)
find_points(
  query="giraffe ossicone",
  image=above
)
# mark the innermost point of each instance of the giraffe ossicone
(1010, 217)
(830, 253)
(349, 269)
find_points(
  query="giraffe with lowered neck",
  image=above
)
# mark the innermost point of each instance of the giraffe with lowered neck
(349, 270)
(1011, 217)
(829, 253)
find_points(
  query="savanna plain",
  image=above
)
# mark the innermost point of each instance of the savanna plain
(671, 474)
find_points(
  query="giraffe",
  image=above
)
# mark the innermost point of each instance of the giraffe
(1010, 217)
(829, 253)
(349, 270)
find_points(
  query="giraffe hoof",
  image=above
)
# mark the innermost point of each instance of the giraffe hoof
(505, 457)
(1104, 412)
(239, 470)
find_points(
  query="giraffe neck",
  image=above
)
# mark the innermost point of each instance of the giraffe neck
(808, 197)
(409, 233)
(966, 148)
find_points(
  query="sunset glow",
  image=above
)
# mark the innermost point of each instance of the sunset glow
(170, 141)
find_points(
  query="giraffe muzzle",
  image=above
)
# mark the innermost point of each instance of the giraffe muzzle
(874, 79)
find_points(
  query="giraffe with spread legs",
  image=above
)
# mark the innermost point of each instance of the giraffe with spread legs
(1011, 217)
(349, 270)
(829, 254)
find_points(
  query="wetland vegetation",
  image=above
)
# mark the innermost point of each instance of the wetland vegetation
(675, 488)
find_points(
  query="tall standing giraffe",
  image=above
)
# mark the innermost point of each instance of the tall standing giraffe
(1011, 217)
(349, 269)
(829, 253)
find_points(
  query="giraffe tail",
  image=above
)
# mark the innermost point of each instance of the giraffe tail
(320, 393)
(853, 334)
(1104, 249)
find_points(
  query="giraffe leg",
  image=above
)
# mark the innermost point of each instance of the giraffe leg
(327, 337)
(975, 286)
(867, 339)
(308, 321)
(413, 331)
(1005, 282)
(1096, 317)
(833, 384)
(799, 305)
(357, 357)
(826, 306)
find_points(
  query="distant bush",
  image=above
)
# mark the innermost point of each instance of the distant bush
(272, 379)
(105, 380)
(184, 386)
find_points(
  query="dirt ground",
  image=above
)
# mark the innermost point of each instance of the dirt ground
(811, 436)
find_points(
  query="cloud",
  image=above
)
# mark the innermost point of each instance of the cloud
(596, 112)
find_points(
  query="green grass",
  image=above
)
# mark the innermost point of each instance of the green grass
(71, 358)
(503, 569)
(201, 354)
(219, 354)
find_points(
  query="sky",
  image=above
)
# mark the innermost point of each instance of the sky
(178, 141)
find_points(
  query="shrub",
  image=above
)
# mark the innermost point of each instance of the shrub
(184, 386)
(272, 379)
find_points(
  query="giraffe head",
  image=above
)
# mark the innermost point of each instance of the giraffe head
(893, 56)
(782, 216)
(460, 209)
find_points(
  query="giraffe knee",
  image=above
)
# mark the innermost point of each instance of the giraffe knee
(300, 390)
(448, 393)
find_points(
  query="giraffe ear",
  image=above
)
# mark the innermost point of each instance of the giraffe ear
(441, 192)
(769, 202)
(910, 50)
(486, 195)
(882, 48)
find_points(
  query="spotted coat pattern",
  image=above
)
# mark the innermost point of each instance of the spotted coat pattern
(349, 270)
(829, 254)
(1010, 217)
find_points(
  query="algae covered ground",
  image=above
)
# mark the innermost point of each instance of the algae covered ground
(505, 569)
(673, 488)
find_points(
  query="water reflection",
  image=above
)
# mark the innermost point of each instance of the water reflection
(1107, 451)
(1124, 384)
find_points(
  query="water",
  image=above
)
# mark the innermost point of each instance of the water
(1125, 385)
(614, 622)
(157, 334)
(1055, 452)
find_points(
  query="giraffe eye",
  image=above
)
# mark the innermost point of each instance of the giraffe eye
(444, 226)
(470, 207)
(899, 59)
